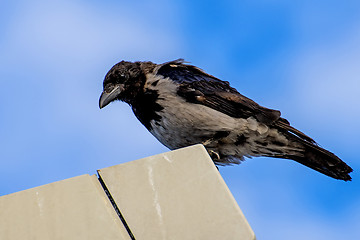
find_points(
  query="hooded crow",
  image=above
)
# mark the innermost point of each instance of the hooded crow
(181, 105)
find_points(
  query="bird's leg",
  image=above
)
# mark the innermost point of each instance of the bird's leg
(215, 138)
(208, 142)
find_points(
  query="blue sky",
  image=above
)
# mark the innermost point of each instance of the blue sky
(301, 57)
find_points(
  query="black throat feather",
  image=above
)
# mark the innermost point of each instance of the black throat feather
(146, 108)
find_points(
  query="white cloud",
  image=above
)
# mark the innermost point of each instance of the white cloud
(67, 47)
(328, 79)
(46, 30)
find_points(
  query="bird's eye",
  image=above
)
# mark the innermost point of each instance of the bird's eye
(119, 74)
(121, 78)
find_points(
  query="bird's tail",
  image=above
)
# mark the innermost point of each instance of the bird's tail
(322, 161)
(311, 155)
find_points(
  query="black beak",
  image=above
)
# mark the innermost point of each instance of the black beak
(108, 97)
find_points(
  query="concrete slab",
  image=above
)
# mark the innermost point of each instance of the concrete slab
(75, 208)
(176, 195)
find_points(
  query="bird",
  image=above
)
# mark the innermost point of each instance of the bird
(182, 105)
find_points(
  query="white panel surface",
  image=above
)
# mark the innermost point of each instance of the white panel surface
(75, 208)
(177, 195)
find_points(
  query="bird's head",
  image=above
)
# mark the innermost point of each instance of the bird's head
(122, 82)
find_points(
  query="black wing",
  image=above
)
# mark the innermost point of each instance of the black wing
(196, 86)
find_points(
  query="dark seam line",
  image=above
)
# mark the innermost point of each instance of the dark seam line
(116, 208)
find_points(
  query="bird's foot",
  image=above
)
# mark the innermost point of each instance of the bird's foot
(214, 155)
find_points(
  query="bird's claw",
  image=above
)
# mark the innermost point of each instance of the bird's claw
(214, 155)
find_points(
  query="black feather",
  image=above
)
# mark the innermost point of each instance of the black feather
(146, 108)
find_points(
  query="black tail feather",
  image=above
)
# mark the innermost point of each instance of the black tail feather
(322, 161)
(325, 162)
(312, 155)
